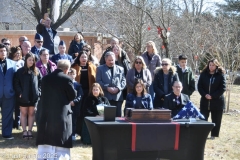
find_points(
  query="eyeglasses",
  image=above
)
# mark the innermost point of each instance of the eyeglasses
(165, 64)
(39, 41)
(86, 50)
(7, 44)
(137, 62)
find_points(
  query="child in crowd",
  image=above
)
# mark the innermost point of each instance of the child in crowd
(75, 104)
(185, 75)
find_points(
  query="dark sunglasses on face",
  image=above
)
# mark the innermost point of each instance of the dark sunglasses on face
(164, 64)
(7, 44)
(137, 62)
(86, 50)
(39, 41)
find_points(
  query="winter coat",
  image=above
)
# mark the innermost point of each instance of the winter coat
(91, 73)
(187, 79)
(43, 69)
(158, 85)
(153, 63)
(54, 110)
(130, 78)
(215, 86)
(90, 105)
(75, 48)
(21, 85)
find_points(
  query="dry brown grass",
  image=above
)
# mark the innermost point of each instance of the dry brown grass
(226, 147)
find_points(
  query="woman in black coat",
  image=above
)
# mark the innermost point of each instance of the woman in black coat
(95, 98)
(211, 86)
(76, 45)
(163, 81)
(27, 84)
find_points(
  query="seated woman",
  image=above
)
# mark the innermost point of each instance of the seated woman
(95, 98)
(139, 99)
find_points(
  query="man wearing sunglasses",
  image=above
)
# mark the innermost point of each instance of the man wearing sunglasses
(6, 42)
(38, 45)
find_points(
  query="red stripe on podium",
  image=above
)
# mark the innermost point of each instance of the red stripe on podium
(134, 131)
(177, 136)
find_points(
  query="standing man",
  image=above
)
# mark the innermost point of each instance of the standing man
(112, 80)
(48, 35)
(7, 98)
(54, 133)
(185, 75)
(115, 41)
(38, 45)
(62, 53)
(26, 48)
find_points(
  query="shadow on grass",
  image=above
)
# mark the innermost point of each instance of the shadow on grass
(19, 142)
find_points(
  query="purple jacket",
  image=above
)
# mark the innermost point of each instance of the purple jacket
(43, 70)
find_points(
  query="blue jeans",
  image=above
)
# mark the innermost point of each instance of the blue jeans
(151, 92)
(7, 107)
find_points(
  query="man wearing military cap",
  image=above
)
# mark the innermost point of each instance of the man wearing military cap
(38, 45)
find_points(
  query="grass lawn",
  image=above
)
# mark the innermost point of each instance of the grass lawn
(226, 147)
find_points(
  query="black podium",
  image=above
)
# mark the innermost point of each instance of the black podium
(113, 140)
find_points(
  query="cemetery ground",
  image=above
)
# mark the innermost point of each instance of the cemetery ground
(226, 147)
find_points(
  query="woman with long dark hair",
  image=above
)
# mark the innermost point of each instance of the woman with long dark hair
(86, 76)
(139, 98)
(27, 84)
(92, 58)
(138, 71)
(211, 86)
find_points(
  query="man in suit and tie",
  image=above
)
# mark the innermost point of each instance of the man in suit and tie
(112, 80)
(62, 54)
(7, 98)
(38, 45)
(176, 100)
(48, 35)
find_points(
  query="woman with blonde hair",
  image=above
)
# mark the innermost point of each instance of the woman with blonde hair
(152, 61)
(211, 86)
(138, 71)
(95, 98)
(163, 81)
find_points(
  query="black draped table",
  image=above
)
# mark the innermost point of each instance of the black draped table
(123, 140)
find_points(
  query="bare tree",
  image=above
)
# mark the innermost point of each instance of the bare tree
(37, 9)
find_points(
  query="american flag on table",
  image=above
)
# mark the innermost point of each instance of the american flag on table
(189, 111)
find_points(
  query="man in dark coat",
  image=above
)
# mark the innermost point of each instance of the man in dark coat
(54, 133)
(48, 35)
(38, 46)
(176, 100)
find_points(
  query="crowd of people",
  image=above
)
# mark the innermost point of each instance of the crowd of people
(57, 90)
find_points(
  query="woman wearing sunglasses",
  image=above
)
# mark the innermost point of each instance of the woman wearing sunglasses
(138, 71)
(163, 81)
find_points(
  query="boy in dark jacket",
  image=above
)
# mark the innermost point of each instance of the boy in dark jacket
(185, 75)
(75, 104)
